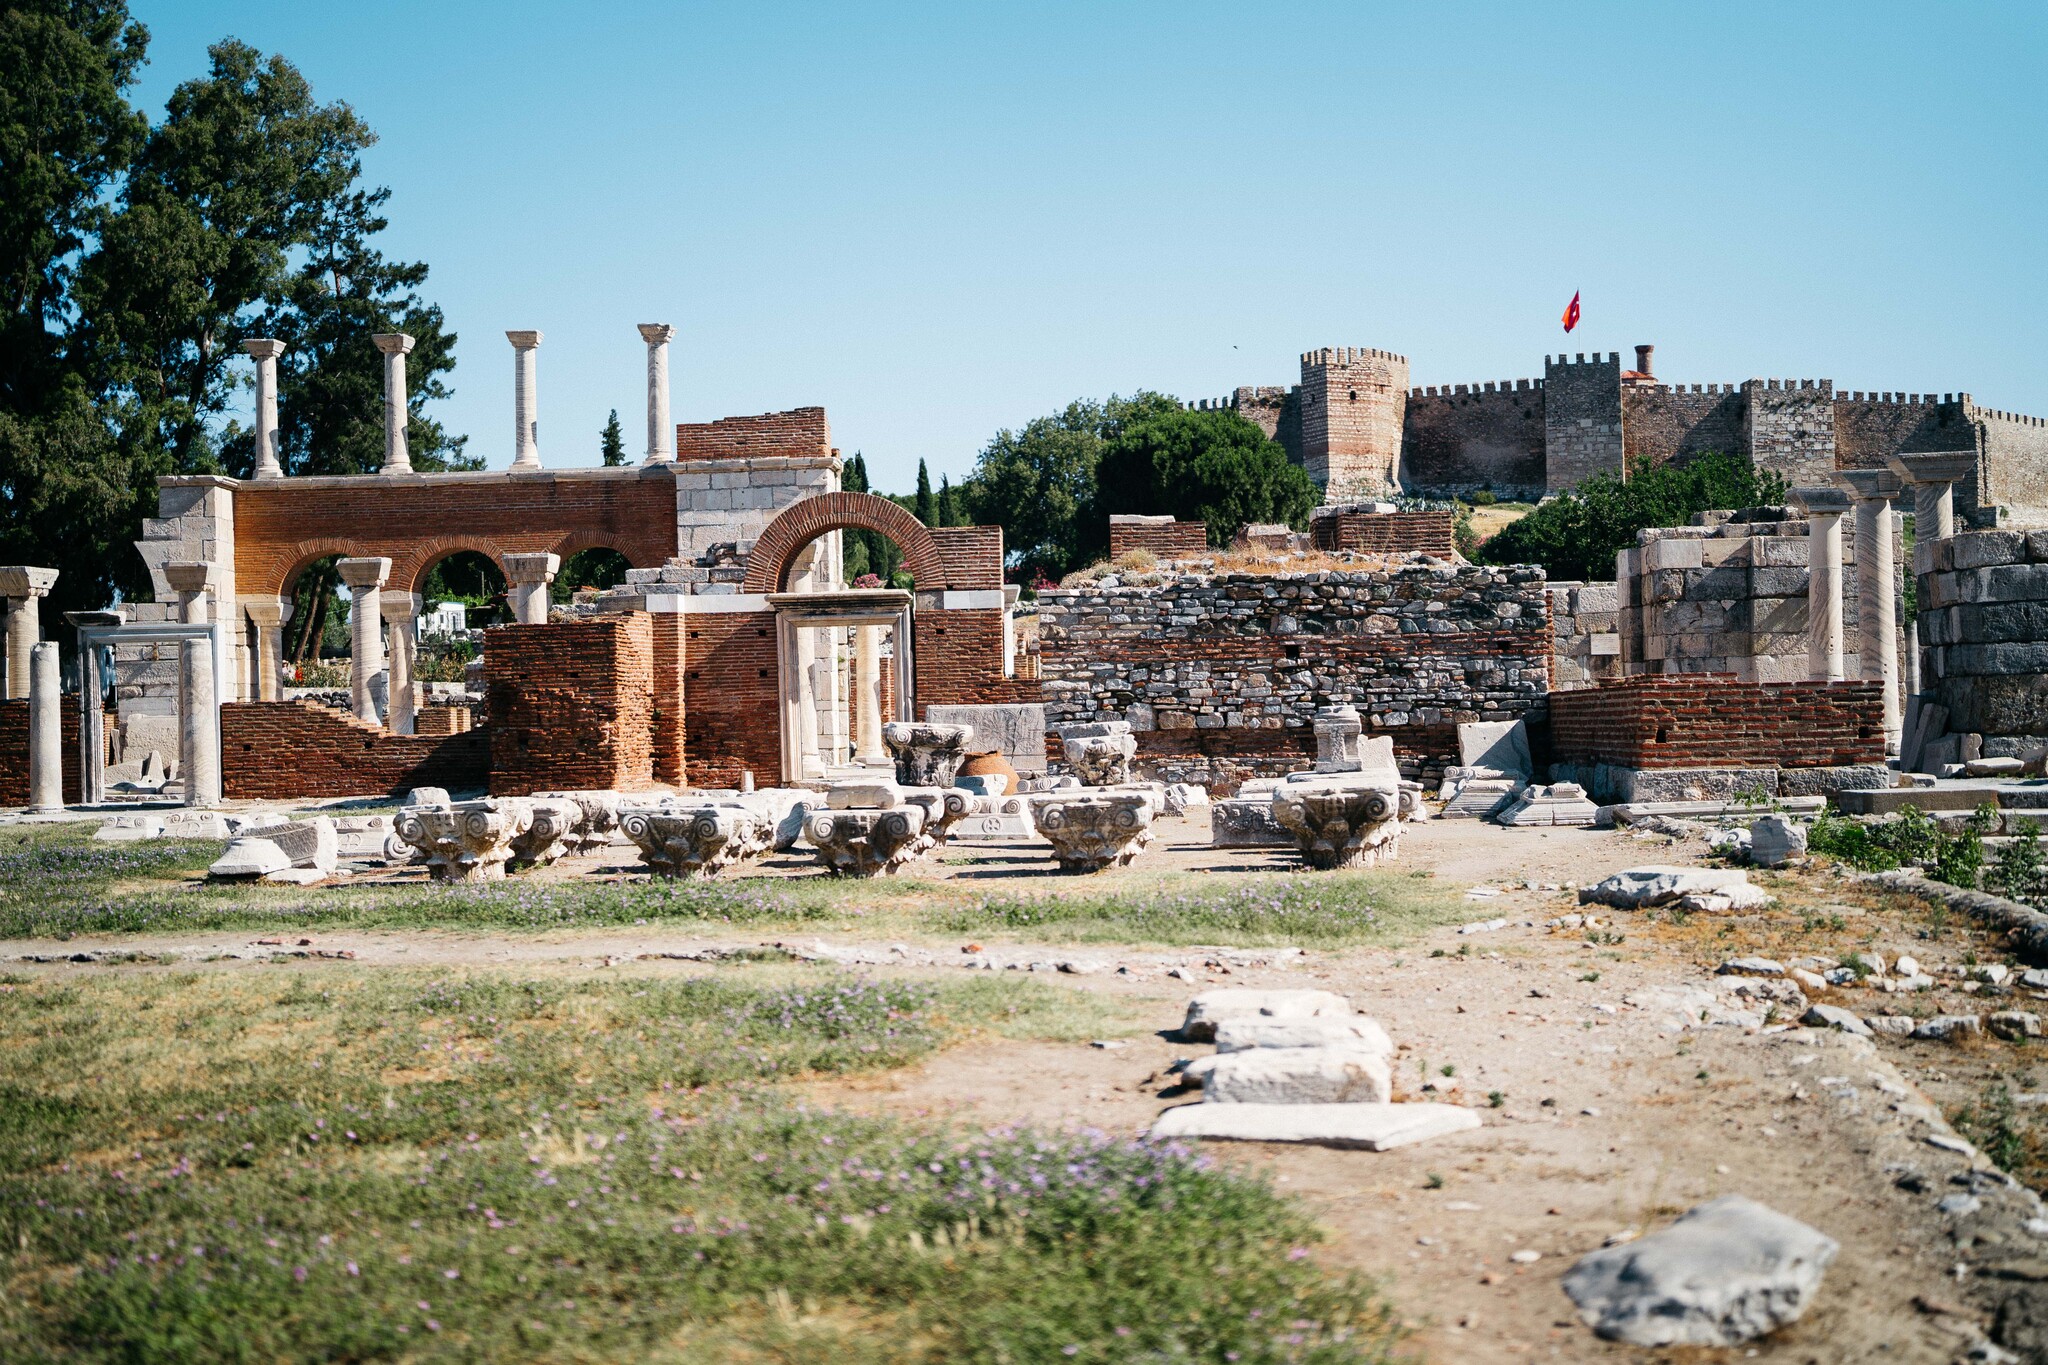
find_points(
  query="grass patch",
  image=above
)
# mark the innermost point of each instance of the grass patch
(60, 885)
(343, 1164)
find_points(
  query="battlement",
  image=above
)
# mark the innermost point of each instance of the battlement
(1707, 389)
(1611, 358)
(1826, 386)
(1911, 400)
(2000, 415)
(1348, 355)
(1491, 386)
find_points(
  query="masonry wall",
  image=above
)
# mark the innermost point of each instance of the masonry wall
(1984, 631)
(2014, 464)
(1707, 721)
(1385, 533)
(572, 705)
(1869, 428)
(301, 750)
(1471, 437)
(798, 433)
(1164, 538)
(959, 660)
(1582, 421)
(1221, 675)
(735, 698)
(14, 752)
(1585, 634)
(1791, 428)
(1670, 422)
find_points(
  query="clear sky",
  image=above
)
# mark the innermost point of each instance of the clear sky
(938, 220)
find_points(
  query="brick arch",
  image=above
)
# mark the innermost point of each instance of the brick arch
(804, 521)
(296, 560)
(410, 568)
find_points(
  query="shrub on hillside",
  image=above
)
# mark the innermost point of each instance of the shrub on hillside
(1577, 534)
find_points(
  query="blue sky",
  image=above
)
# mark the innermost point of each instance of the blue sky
(938, 220)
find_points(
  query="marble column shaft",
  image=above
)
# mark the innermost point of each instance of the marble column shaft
(24, 588)
(365, 579)
(1877, 620)
(269, 615)
(401, 616)
(265, 351)
(1934, 511)
(867, 694)
(45, 730)
(1824, 507)
(199, 725)
(525, 400)
(395, 346)
(661, 432)
(527, 577)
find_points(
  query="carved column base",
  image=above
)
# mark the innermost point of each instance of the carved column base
(698, 841)
(469, 841)
(1094, 829)
(1342, 824)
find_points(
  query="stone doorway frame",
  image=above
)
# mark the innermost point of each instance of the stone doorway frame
(99, 629)
(796, 611)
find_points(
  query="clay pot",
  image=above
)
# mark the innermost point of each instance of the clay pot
(989, 765)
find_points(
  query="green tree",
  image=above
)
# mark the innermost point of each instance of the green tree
(1577, 534)
(949, 504)
(1209, 466)
(612, 442)
(1038, 483)
(865, 552)
(924, 508)
(67, 489)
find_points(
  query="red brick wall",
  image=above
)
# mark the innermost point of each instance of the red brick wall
(1708, 720)
(571, 705)
(670, 719)
(282, 524)
(298, 750)
(973, 555)
(442, 720)
(959, 661)
(1384, 532)
(801, 433)
(14, 752)
(735, 698)
(1165, 539)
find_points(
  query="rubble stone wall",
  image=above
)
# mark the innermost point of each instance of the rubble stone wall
(1221, 675)
(301, 750)
(1705, 721)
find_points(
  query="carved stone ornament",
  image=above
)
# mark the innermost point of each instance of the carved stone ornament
(468, 841)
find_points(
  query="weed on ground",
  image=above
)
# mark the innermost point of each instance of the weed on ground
(343, 1164)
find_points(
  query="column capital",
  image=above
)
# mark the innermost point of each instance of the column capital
(532, 568)
(1934, 466)
(399, 606)
(392, 343)
(1821, 501)
(192, 576)
(265, 611)
(364, 573)
(20, 581)
(657, 333)
(1872, 485)
(523, 341)
(263, 348)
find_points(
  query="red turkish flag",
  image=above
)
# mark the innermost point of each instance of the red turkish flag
(1571, 313)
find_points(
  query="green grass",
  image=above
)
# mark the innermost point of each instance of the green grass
(57, 884)
(338, 1163)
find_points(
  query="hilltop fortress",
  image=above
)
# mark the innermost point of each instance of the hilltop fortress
(1361, 431)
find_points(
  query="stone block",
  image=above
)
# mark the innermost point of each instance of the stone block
(1256, 1031)
(249, 857)
(1363, 1127)
(1559, 804)
(308, 843)
(1245, 823)
(1500, 745)
(1016, 731)
(1299, 1075)
(200, 824)
(1982, 549)
(1207, 1011)
(124, 829)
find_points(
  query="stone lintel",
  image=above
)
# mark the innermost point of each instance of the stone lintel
(20, 580)
(1821, 501)
(1937, 466)
(1871, 484)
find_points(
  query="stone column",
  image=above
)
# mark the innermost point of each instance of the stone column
(401, 615)
(23, 587)
(1877, 620)
(45, 730)
(661, 433)
(365, 579)
(525, 401)
(193, 581)
(265, 353)
(1912, 657)
(867, 695)
(199, 725)
(1824, 508)
(526, 584)
(269, 614)
(1933, 476)
(395, 346)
